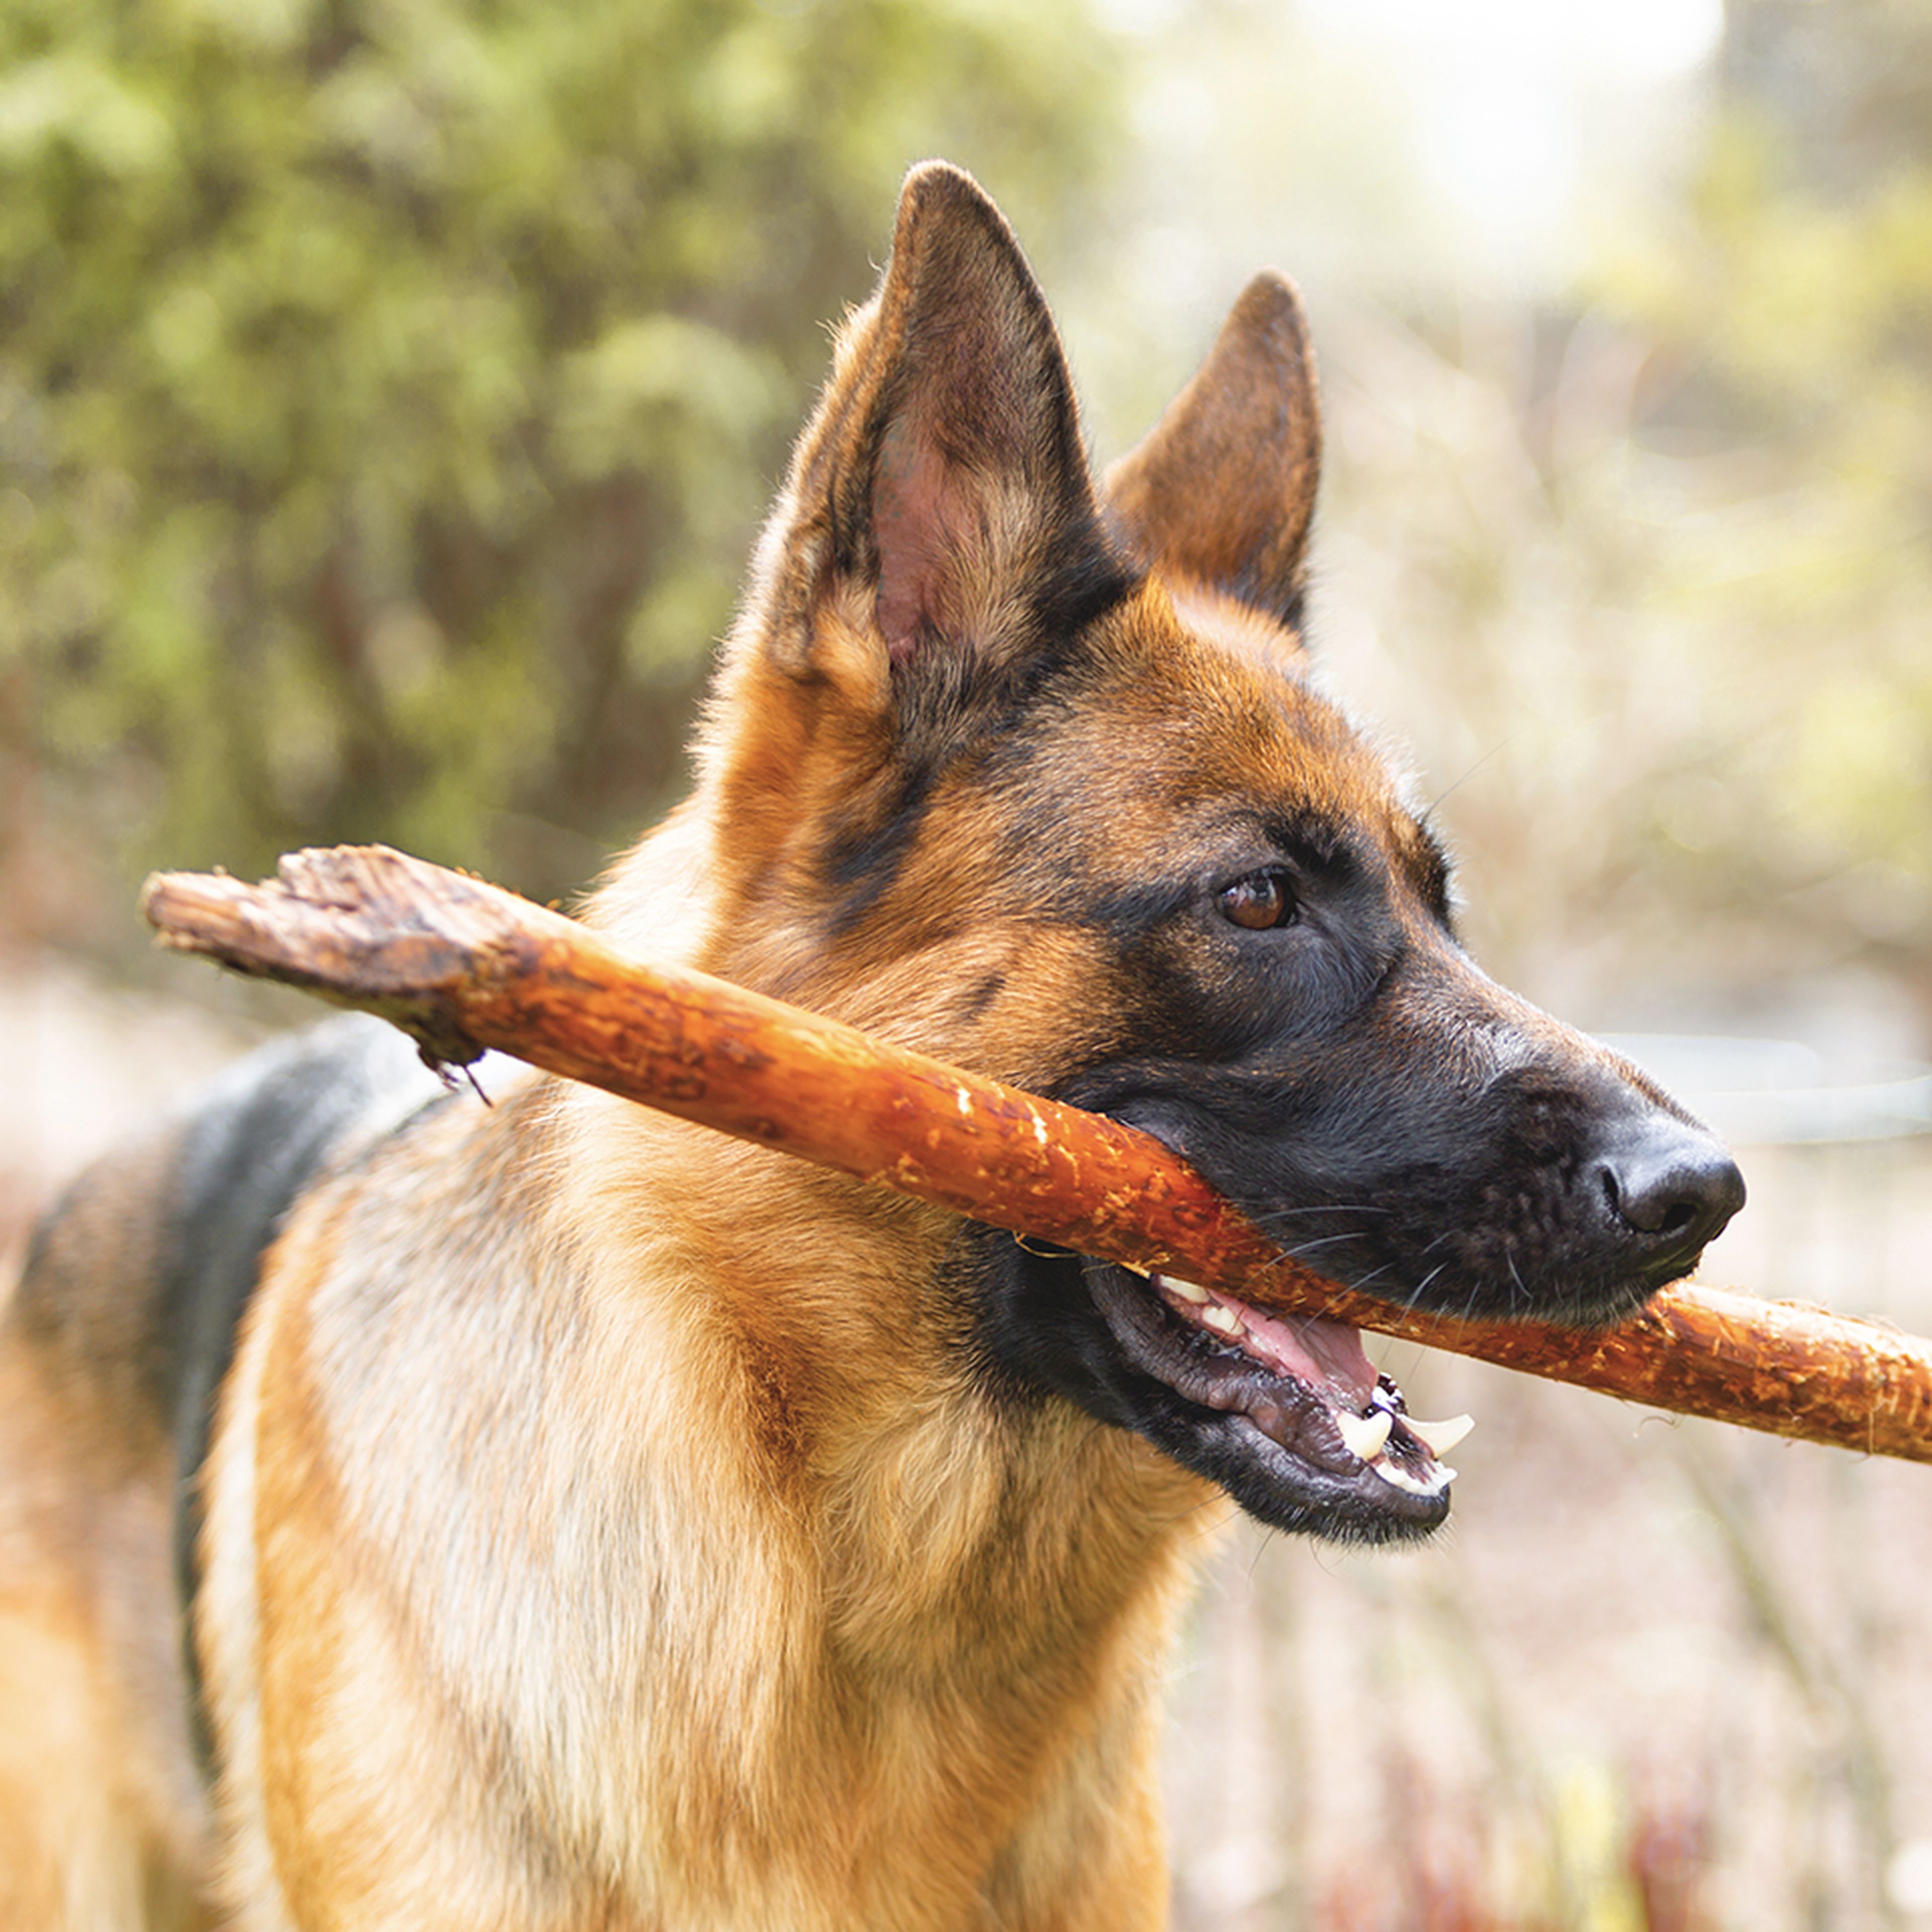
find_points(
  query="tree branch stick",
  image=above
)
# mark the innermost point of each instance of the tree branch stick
(463, 966)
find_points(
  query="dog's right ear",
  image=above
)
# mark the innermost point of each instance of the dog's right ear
(940, 502)
(1223, 489)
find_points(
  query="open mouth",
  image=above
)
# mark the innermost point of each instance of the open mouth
(1296, 1403)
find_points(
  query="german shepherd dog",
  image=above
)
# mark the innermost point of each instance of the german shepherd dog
(583, 1521)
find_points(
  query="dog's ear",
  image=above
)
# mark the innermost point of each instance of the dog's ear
(1223, 489)
(940, 498)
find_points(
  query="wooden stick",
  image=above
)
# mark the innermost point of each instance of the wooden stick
(463, 966)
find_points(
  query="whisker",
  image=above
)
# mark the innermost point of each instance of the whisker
(1325, 1207)
(1421, 1288)
(1301, 1248)
(1517, 1287)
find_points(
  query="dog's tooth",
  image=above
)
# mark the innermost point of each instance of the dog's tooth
(1439, 1438)
(1438, 1479)
(1195, 1297)
(1365, 1435)
(1223, 1321)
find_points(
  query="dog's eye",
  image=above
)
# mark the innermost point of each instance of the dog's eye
(1259, 901)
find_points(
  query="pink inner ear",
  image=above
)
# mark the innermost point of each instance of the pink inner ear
(917, 524)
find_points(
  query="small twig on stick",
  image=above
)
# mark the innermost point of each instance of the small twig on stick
(464, 967)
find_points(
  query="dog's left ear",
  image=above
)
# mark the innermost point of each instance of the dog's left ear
(942, 490)
(1223, 489)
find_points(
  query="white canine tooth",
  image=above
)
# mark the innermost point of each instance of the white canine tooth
(1438, 1479)
(1439, 1438)
(1198, 1298)
(1365, 1435)
(1223, 1321)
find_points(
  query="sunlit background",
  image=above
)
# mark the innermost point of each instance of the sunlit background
(388, 394)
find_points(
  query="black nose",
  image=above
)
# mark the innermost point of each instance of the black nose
(1670, 1181)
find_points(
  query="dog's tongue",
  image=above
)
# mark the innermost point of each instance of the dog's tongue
(1325, 1356)
(1315, 1351)
(1367, 1421)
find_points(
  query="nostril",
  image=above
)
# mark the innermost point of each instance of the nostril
(1672, 1182)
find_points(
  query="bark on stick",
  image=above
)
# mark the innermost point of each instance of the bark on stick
(463, 967)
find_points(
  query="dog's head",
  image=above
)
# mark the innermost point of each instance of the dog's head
(1031, 774)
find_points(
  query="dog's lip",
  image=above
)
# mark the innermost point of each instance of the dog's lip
(1304, 1387)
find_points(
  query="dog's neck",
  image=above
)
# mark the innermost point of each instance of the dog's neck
(916, 1556)
(841, 1362)
(921, 1573)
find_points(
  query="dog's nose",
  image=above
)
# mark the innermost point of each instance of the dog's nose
(1665, 1179)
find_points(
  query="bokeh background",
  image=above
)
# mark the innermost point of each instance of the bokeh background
(389, 390)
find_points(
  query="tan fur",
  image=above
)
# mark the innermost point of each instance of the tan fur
(607, 1526)
(99, 1809)
(867, 1659)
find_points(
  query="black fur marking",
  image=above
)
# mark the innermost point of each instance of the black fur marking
(955, 706)
(864, 859)
(954, 693)
(262, 1136)
(36, 1319)
(1379, 1109)
(1262, 589)
(1461, 1183)
(1089, 579)
(1203, 991)
(979, 998)
(1433, 873)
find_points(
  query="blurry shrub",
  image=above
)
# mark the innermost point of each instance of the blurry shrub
(1789, 394)
(388, 387)
(1643, 572)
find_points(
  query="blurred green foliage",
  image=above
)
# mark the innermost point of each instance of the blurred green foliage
(1791, 311)
(388, 387)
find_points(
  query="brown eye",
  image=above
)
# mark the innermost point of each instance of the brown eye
(1257, 902)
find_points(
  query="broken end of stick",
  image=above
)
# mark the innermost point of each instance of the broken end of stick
(360, 925)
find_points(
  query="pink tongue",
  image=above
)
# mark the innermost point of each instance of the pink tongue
(1313, 1351)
